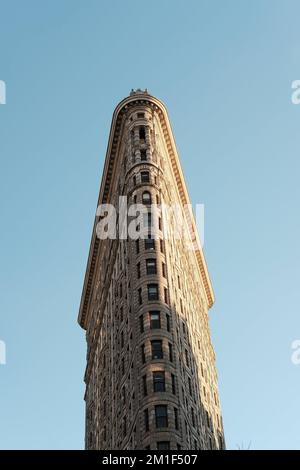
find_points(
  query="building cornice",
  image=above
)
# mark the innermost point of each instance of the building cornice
(136, 99)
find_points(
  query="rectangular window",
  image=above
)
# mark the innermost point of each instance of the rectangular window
(187, 360)
(140, 296)
(168, 322)
(137, 246)
(193, 417)
(146, 419)
(159, 223)
(173, 384)
(142, 323)
(155, 320)
(138, 270)
(152, 291)
(143, 155)
(149, 243)
(140, 115)
(124, 426)
(161, 416)
(207, 420)
(166, 295)
(145, 385)
(159, 384)
(170, 352)
(142, 133)
(176, 418)
(161, 242)
(145, 177)
(163, 268)
(157, 351)
(163, 445)
(151, 266)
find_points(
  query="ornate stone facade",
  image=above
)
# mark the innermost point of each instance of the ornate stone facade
(151, 381)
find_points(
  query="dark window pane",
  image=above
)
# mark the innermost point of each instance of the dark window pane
(145, 177)
(161, 416)
(168, 322)
(142, 324)
(163, 445)
(154, 320)
(157, 352)
(140, 296)
(151, 266)
(159, 382)
(152, 292)
(142, 133)
(149, 243)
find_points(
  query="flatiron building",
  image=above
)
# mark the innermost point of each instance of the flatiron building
(151, 380)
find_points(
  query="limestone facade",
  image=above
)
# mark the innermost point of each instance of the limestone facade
(151, 381)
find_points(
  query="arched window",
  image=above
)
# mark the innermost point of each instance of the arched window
(146, 198)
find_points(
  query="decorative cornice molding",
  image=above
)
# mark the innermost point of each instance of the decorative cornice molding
(137, 99)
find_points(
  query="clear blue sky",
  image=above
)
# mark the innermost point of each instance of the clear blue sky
(224, 70)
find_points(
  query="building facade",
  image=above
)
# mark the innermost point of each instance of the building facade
(151, 381)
